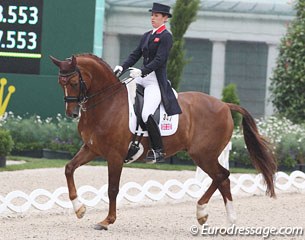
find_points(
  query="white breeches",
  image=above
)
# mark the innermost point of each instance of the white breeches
(152, 94)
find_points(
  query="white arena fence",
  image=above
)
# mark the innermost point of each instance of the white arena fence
(134, 192)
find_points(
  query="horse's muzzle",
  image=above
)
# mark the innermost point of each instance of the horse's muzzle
(74, 113)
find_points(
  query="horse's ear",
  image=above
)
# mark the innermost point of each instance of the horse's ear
(55, 61)
(73, 62)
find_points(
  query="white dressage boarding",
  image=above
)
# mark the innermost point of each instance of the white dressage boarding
(151, 189)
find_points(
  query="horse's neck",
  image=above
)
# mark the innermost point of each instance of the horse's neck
(110, 109)
(105, 87)
(101, 77)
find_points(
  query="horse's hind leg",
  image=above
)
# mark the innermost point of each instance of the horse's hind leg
(225, 190)
(82, 157)
(201, 213)
(218, 175)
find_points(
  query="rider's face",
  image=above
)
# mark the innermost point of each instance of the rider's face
(157, 19)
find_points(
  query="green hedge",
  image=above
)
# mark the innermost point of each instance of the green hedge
(6, 142)
(287, 138)
(34, 133)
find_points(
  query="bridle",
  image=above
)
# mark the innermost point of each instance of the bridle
(83, 96)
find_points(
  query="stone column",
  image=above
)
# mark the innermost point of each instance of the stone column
(99, 27)
(218, 68)
(111, 49)
(272, 56)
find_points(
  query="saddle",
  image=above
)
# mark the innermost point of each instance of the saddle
(168, 125)
(134, 146)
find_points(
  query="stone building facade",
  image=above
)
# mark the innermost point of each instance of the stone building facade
(232, 41)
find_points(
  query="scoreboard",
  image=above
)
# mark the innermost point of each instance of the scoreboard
(20, 36)
(30, 31)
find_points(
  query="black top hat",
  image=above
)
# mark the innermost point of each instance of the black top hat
(161, 8)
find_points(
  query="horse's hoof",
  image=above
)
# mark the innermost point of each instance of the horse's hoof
(203, 220)
(100, 226)
(81, 211)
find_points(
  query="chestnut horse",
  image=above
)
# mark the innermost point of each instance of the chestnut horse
(93, 93)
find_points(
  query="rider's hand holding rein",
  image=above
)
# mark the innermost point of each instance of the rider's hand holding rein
(135, 73)
(118, 70)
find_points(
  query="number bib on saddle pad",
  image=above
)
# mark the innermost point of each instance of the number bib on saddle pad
(167, 124)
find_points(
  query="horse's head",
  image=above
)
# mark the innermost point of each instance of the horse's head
(70, 79)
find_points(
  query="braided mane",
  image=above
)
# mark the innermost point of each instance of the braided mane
(96, 58)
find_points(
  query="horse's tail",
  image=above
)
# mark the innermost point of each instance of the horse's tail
(259, 148)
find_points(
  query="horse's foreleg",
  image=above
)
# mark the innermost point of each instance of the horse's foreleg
(82, 157)
(114, 175)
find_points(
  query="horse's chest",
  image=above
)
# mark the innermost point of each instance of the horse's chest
(89, 138)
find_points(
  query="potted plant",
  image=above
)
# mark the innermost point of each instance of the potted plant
(6, 145)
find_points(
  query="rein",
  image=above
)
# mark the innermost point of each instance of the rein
(119, 84)
(83, 98)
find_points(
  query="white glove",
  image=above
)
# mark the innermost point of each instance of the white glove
(118, 70)
(135, 72)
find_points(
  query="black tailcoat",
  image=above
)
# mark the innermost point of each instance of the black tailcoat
(155, 50)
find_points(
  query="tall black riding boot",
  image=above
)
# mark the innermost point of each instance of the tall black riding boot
(156, 154)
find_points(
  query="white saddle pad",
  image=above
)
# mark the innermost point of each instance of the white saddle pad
(168, 124)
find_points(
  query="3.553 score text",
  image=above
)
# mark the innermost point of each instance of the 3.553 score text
(19, 14)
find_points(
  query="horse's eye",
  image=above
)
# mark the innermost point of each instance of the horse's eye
(74, 85)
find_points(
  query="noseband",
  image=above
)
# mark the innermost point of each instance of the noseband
(82, 96)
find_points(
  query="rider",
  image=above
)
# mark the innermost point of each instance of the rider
(154, 46)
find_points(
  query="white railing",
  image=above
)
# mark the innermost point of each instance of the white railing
(134, 192)
(18, 201)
